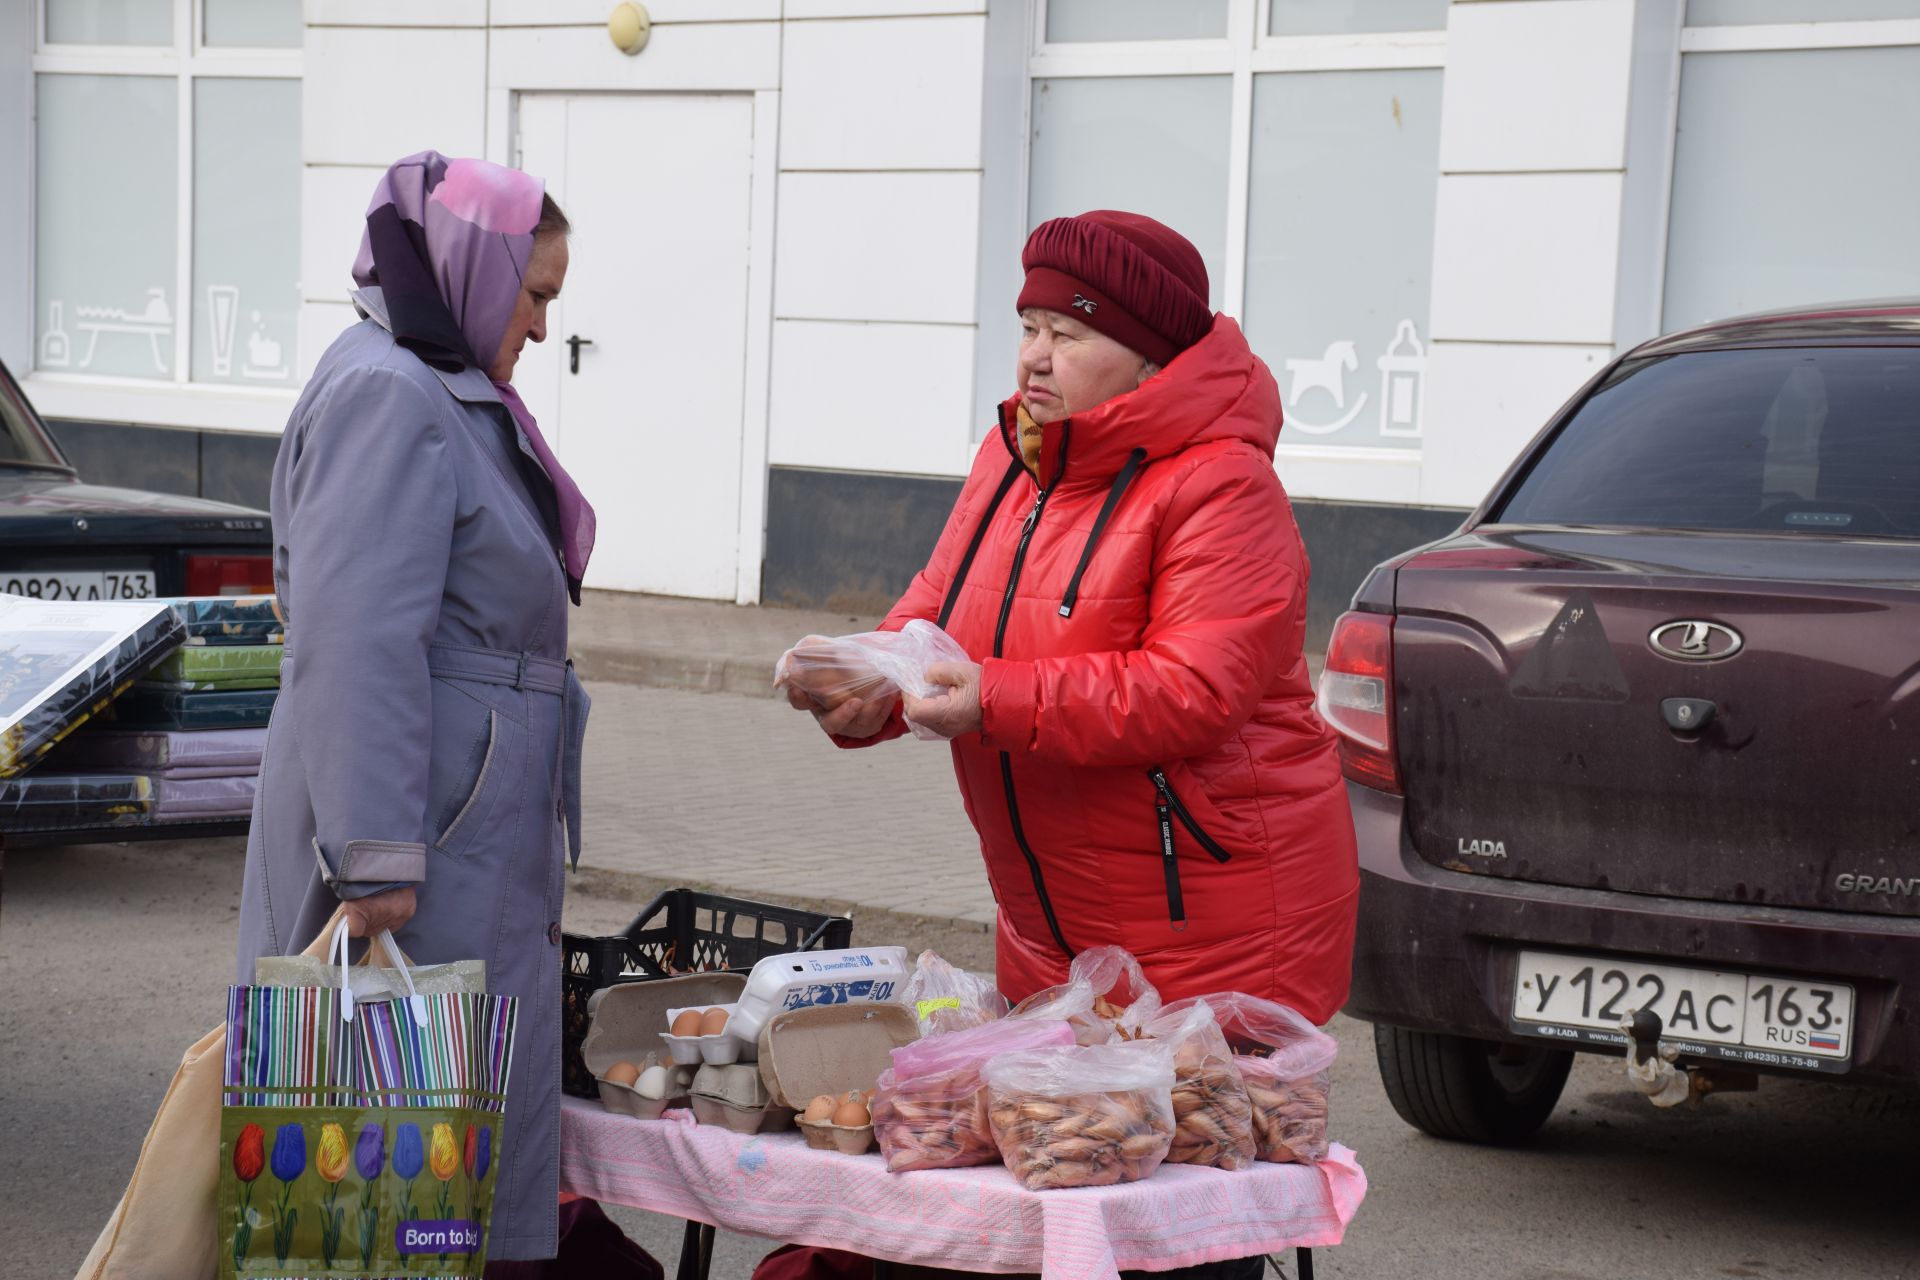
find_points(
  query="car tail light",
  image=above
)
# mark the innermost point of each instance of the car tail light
(1356, 698)
(229, 575)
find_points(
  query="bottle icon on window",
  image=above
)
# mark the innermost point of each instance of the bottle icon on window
(1403, 383)
(56, 349)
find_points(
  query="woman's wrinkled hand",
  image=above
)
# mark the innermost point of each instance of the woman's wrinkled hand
(955, 711)
(854, 718)
(369, 915)
(845, 716)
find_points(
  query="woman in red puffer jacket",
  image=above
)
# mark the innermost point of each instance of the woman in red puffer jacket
(1136, 740)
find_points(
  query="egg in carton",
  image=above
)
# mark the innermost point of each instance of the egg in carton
(822, 1062)
(644, 1091)
(699, 1034)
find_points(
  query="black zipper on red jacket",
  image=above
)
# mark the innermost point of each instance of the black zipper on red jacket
(999, 641)
(1168, 800)
(1166, 806)
(1170, 864)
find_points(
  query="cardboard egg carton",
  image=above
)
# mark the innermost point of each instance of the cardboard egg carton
(832, 1050)
(735, 1097)
(625, 1025)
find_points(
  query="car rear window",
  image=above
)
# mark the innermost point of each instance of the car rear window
(1807, 440)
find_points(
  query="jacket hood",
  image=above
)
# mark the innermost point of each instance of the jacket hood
(1217, 389)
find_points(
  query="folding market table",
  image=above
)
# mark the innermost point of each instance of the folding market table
(979, 1220)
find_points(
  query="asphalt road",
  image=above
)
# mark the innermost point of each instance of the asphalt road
(112, 959)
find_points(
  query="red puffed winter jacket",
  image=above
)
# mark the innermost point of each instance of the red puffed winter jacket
(1150, 770)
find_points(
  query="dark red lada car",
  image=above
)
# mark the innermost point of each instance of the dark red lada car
(1645, 733)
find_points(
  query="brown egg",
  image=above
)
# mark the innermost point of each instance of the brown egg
(820, 1110)
(623, 1073)
(851, 1114)
(688, 1023)
(713, 1022)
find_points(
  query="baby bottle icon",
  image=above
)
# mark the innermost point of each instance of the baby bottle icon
(1403, 383)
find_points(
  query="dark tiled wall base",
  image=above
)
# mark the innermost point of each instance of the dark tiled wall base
(1345, 540)
(848, 540)
(198, 464)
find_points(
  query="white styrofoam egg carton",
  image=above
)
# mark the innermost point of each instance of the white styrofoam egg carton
(719, 1050)
(803, 979)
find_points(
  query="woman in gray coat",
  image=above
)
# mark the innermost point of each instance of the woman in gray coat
(422, 764)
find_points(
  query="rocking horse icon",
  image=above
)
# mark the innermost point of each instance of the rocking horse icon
(1328, 373)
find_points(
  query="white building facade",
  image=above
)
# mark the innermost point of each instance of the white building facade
(798, 225)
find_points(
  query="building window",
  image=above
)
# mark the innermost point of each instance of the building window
(1350, 17)
(188, 112)
(1297, 144)
(1156, 145)
(1339, 245)
(1784, 200)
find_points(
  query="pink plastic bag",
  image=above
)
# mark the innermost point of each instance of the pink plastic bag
(930, 1107)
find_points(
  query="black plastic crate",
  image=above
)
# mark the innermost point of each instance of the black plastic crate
(681, 931)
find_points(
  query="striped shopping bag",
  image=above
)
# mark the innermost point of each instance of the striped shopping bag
(359, 1139)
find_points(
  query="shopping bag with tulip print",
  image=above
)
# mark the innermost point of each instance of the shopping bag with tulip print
(358, 1139)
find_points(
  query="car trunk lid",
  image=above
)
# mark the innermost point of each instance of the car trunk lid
(1531, 667)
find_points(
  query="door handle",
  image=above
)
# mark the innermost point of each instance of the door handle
(574, 344)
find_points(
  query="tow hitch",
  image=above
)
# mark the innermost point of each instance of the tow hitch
(1651, 1069)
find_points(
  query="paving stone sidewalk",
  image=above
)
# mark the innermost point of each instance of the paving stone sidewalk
(708, 645)
(746, 794)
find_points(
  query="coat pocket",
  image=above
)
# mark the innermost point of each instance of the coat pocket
(1168, 810)
(467, 785)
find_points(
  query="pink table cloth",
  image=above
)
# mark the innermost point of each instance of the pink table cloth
(982, 1220)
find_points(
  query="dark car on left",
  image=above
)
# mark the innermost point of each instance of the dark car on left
(62, 538)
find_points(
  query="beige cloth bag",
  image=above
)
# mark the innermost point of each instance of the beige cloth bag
(164, 1227)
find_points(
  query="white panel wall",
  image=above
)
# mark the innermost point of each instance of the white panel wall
(876, 246)
(915, 103)
(374, 94)
(701, 56)
(333, 209)
(387, 13)
(875, 397)
(1531, 257)
(1527, 229)
(594, 13)
(875, 284)
(1536, 84)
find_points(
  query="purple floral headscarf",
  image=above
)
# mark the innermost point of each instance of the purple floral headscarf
(448, 242)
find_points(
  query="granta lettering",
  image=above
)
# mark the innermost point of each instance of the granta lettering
(1899, 886)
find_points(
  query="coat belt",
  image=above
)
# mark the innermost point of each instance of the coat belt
(536, 675)
(495, 666)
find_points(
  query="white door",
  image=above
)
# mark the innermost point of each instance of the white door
(646, 408)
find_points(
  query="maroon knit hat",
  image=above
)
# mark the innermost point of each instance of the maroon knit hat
(1138, 281)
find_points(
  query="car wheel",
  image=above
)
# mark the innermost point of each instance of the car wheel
(1469, 1090)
